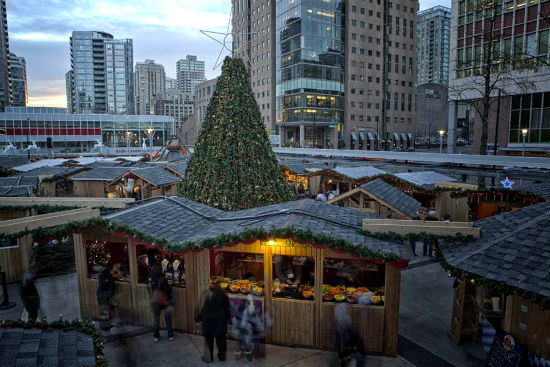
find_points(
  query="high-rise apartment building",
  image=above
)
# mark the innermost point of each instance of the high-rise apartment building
(150, 86)
(190, 73)
(336, 76)
(5, 87)
(18, 71)
(254, 42)
(171, 83)
(519, 34)
(433, 32)
(101, 74)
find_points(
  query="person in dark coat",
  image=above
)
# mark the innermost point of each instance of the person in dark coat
(215, 315)
(105, 291)
(163, 300)
(29, 295)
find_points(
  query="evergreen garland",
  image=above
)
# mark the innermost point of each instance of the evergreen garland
(233, 166)
(81, 326)
(39, 208)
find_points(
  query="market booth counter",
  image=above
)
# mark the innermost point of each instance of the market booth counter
(292, 274)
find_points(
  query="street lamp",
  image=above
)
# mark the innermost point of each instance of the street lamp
(441, 132)
(524, 133)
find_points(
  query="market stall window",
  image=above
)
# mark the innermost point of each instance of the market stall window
(173, 266)
(293, 277)
(238, 272)
(101, 254)
(492, 303)
(354, 281)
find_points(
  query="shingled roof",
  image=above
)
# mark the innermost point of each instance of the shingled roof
(393, 196)
(106, 173)
(425, 179)
(19, 180)
(357, 173)
(177, 168)
(16, 191)
(513, 249)
(541, 189)
(157, 176)
(176, 220)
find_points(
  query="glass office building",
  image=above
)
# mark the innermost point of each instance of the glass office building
(309, 69)
(74, 133)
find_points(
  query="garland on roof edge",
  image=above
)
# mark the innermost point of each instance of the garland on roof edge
(305, 236)
(81, 326)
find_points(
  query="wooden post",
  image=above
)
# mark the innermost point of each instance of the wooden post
(81, 270)
(25, 248)
(132, 262)
(391, 312)
(268, 289)
(318, 294)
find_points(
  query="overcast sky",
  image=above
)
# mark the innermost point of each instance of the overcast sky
(163, 30)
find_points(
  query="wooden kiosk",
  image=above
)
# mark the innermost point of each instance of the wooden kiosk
(299, 318)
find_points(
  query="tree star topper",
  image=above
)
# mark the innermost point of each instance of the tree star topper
(507, 184)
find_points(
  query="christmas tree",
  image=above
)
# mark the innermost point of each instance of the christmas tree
(233, 166)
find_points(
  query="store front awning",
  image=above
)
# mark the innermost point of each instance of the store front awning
(370, 136)
(377, 136)
(361, 136)
(395, 136)
(403, 137)
(353, 136)
(410, 136)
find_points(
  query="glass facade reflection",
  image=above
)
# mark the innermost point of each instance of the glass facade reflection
(309, 65)
(74, 133)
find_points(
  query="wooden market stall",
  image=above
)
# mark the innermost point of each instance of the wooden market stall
(293, 275)
(144, 183)
(503, 281)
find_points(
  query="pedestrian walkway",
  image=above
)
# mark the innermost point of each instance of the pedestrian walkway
(186, 350)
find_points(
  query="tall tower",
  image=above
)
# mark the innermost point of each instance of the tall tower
(5, 88)
(190, 72)
(150, 86)
(101, 74)
(18, 70)
(433, 33)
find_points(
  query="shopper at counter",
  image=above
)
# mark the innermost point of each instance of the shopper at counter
(287, 272)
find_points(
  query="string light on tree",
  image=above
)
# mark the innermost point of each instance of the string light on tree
(98, 253)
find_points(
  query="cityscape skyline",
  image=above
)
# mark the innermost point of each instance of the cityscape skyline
(40, 31)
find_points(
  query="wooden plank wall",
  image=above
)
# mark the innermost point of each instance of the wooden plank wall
(530, 326)
(14, 213)
(391, 312)
(10, 260)
(367, 320)
(293, 322)
(457, 208)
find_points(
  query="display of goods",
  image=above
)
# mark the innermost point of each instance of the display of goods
(307, 293)
(224, 285)
(376, 300)
(257, 291)
(234, 288)
(339, 297)
(350, 290)
(328, 297)
(351, 299)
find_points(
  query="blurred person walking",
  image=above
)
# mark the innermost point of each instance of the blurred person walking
(214, 316)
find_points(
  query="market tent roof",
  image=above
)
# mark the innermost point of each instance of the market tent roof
(177, 219)
(359, 172)
(22, 190)
(353, 135)
(513, 249)
(59, 171)
(425, 179)
(157, 176)
(403, 137)
(393, 196)
(13, 160)
(396, 136)
(106, 173)
(177, 168)
(541, 189)
(19, 180)
(361, 136)
(41, 163)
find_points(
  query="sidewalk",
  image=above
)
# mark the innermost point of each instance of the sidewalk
(186, 350)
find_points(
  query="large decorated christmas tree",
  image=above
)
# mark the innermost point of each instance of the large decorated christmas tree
(233, 166)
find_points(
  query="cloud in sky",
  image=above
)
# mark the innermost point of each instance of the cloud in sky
(163, 30)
